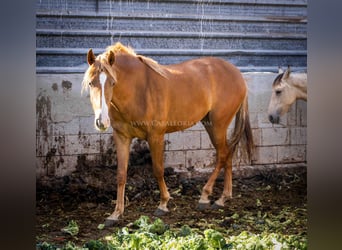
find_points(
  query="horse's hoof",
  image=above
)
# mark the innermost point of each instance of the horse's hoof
(110, 222)
(160, 212)
(216, 207)
(203, 206)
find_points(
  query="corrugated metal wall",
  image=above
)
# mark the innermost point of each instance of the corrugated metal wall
(255, 35)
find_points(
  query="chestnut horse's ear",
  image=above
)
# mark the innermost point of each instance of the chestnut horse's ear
(111, 58)
(90, 57)
(287, 72)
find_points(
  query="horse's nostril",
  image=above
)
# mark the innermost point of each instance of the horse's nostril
(274, 119)
(98, 123)
(270, 117)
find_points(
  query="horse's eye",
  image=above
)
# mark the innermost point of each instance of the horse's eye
(278, 92)
(91, 84)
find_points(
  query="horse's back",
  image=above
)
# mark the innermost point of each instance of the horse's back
(220, 79)
(207, 71)
(199, 86)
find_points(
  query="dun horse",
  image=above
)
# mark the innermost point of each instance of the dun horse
(286, 89)
(140, 98)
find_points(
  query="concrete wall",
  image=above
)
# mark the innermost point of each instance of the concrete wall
(66, 136)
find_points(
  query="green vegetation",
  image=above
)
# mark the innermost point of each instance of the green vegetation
(147, 234)
(71, 229)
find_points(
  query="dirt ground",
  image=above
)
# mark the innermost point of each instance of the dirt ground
(88, 197)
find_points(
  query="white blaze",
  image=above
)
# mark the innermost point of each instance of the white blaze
(104, 108)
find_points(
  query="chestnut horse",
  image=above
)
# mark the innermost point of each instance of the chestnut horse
(140, 98)
(287, 87)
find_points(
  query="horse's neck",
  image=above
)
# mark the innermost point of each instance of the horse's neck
(128, 89)
(299, 82)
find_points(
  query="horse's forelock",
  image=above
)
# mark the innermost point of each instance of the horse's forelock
(88, 75)
(111, 70)
(86, 80)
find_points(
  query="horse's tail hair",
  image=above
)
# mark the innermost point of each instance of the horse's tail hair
(242, 132)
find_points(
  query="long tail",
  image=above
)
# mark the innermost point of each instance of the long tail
(242, 132)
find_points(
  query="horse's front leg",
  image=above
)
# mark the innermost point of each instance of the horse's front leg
(156, 143)
(122, 144)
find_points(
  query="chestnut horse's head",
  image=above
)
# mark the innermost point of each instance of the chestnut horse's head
(100, 88)
(283, 95)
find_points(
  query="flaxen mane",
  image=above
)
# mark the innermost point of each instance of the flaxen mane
(152, 64)
(101, 61)
(119, 47)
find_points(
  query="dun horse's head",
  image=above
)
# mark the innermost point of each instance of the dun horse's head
(100, 88)
(282, 96)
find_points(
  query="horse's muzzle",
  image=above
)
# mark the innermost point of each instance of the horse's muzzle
(99, 125)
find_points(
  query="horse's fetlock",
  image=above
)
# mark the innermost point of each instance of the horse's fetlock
(206, 191)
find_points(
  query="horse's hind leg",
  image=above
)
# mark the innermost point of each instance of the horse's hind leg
(227, 189)
(217, 133)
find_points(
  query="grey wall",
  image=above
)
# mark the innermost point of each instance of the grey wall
(66, 136)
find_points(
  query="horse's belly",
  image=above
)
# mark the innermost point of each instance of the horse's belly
(185, 119)
(173, 126)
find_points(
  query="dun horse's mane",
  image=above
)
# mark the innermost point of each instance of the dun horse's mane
(155, 66)
(276, 81)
